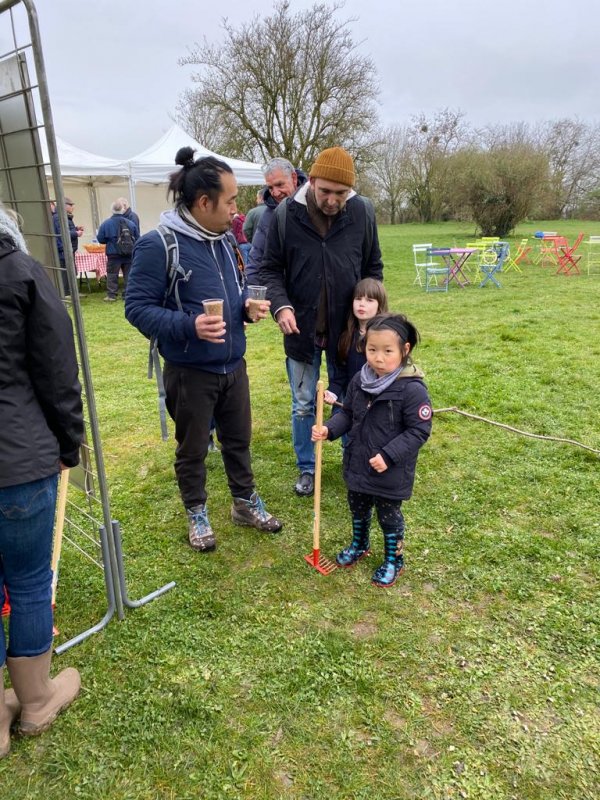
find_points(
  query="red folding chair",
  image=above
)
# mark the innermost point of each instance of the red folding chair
(568, 262)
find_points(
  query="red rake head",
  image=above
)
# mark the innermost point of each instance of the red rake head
(320, 563)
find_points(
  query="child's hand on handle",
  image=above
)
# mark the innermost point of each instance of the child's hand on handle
(329, 397)
(319, 433)
(378, 463)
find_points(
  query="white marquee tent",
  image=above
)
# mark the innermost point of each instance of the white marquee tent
(93, 182)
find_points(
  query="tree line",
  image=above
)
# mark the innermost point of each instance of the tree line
(291, 84)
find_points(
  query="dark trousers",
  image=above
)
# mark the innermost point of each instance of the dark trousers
(114, 265)
(389, 515)
(193, 398)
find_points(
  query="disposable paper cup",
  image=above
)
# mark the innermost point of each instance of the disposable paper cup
(213, 307)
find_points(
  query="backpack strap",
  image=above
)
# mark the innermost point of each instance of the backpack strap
(174, 273)
(238, 257)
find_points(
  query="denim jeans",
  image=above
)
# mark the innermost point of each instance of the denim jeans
(303, 379)
(26, 525)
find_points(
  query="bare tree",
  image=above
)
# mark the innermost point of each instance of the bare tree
(287, 85)
(573, 151)
(430, 143)
(388, 169)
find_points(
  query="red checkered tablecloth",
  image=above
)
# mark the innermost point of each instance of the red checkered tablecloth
(91, 262)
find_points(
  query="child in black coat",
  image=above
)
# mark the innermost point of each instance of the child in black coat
(387, 415)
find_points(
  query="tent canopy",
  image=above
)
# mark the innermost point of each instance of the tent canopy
(77, 164)
(156, 163)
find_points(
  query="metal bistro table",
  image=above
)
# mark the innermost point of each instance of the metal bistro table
(455, 258)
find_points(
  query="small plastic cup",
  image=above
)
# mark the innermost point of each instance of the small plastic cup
(213, 307)
(256, 296)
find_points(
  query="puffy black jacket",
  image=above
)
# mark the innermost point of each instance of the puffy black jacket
(293, 270)
(396, 423)
(41, 418)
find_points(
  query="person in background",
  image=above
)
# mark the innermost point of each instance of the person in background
(282, 180)
(240, 237)
(41, 429)
(253, 216)
(129, 213)
(369, 300)
(322, 241)
(388, 413)
(75, 232)
(119, 234)
(205, 371)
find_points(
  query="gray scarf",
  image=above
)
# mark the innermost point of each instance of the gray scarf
(9, 227)
(372, 384)
(181, 220)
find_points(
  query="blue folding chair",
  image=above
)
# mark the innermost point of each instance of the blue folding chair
(492, 261)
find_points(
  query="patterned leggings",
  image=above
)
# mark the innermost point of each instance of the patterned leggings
(388, 511)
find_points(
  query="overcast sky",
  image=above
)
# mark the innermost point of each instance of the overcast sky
(114, 78)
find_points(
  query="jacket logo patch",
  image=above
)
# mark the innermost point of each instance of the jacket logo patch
(425, 412)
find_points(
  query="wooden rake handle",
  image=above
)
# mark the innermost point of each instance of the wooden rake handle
(318, 462)
(58, 529)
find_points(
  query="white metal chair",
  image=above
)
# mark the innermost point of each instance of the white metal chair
(422, 261)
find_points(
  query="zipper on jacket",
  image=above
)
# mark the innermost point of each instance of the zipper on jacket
(230, 337)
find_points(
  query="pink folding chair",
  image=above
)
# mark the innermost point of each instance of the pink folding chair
(568, 262)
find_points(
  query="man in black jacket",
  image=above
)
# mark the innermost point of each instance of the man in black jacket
(321, 242)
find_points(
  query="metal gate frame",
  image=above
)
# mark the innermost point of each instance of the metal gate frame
(108, 530)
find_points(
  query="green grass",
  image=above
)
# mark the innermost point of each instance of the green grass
(476, 676)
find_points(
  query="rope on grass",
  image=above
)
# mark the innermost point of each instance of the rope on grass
(455, 410)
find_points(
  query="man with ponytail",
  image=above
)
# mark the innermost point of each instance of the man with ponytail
(205, 372)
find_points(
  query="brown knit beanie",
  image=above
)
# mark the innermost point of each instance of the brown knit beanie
(334, 164)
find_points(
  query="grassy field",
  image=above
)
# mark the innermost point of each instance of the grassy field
(475, 676)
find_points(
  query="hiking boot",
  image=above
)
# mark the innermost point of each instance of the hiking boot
(200, 534)
(254, 514)
(305, 485)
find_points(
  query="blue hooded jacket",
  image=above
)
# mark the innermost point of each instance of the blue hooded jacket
(212, 272)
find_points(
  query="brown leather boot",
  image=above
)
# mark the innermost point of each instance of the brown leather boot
(42, 698)
(9, 711)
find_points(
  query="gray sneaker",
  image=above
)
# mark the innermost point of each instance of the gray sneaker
(200, 534)
(254, 514)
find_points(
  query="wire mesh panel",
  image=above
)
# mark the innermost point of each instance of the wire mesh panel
(92, 575)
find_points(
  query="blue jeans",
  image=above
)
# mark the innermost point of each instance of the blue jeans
(26, 525)
(303, 379)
